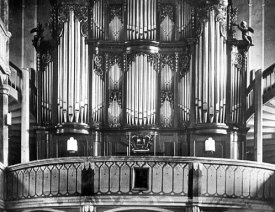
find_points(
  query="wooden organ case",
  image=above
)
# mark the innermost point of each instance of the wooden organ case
(146, 77)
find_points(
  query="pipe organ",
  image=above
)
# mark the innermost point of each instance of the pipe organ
(134, 69)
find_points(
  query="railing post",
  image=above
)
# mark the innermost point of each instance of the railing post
(258, 102)
(4, 131)
(25, 116)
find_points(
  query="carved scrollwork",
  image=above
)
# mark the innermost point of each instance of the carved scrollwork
(167, 10)
(98, 65)
(184, 64)
(222, 17)
(166, 96)
(167, 60)
(152, 58)
(60, 15)
(116, 59)
(116, 11)
(237, 59)
(46, 58)
(115, 95)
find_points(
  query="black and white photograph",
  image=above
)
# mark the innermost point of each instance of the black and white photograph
(137, 105)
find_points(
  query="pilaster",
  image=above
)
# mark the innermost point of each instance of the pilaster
(4, 131)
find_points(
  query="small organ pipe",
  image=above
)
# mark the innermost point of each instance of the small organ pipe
(145, 90)
(86, 82)
(200, 75)
(71, 67)
(224, 79)
(218, 78)
(145, 19)
(211, 66)
(149, 19)
(77, 70)
(128, 20)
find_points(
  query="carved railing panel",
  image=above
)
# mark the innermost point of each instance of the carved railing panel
(192, 177)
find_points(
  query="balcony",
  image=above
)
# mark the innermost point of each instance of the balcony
(169, 181)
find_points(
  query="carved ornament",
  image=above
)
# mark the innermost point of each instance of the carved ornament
(167, 10)
(141, 143)
(184, 64)
(237, 59)
(98, 65)
(60, 15)
(166, 96)
(116, 11)
(115, 95)
(167, 60)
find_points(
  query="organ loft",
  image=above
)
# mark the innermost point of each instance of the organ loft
(141, 77)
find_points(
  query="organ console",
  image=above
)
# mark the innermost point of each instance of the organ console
(130, 69)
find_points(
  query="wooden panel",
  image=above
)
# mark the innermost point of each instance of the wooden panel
(178, 179)
(125, 179)
(167, 179)
(157, 178)
(114, 182)
(104, 179)
(221, 180)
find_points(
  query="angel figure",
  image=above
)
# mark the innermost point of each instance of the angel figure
(245, 29)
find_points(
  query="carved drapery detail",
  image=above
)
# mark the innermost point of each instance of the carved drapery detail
(167, 60)
(116, 11)
(98, 65)
(152, 58)
(60, 14)
(184, 63)
(167, 10)
(116, 59)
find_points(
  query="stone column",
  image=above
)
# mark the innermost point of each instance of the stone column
(25, 117)
(4, 131)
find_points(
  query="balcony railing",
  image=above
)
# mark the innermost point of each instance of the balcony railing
(15, 83)
(268, 84)
(187, 178)
(15, 78)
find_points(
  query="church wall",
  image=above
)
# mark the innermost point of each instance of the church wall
(256, 24)
(37, 11)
